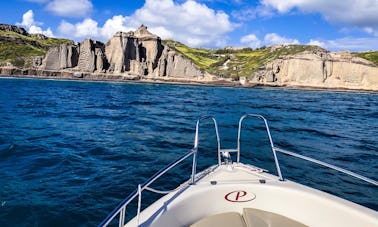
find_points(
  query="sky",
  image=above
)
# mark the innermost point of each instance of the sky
(332, 24)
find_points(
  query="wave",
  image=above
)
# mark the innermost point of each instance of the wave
(6, 149)
(77, 149)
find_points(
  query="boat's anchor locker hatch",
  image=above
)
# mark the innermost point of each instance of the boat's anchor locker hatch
(239, 196)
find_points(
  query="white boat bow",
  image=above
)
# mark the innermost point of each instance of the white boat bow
(237, 194)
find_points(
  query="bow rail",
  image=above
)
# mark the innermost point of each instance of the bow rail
(120, 210)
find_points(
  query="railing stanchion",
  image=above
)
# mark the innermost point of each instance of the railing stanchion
(121, 208)
(122, 217)
(139, 203)
(195, 148)
(270, 140)
(194, 166)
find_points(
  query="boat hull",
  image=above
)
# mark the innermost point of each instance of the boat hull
(232, 188)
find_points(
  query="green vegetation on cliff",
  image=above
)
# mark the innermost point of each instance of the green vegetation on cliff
(21, 49)
(17, 49)
(235, 63)
(370, 56)
(203, 58)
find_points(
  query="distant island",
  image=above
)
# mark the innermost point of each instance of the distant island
(142, 56)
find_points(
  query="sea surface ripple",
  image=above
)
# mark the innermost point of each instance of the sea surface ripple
(71, 151)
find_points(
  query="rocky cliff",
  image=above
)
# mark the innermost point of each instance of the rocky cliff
(60, 57)
(20, 49)
(321, 69)
(138, 53)
(13, 28)
(142, 55)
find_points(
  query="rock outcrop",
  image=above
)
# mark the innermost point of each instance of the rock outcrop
(39, 36)
(321, 69)
(91, 56)
(141, 55)
(61, 57)
(173, 64)
(133, 53)
(13, 28)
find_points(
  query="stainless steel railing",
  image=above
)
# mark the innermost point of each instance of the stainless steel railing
(339, 169)
(277, 149)
(270, 140)
(194, 165)
(121, 208)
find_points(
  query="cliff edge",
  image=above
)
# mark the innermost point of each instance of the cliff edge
(141, 55)
(321, 69)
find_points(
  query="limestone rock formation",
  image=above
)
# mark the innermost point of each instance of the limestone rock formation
(61, 57)
(320, 69)
(138, 53)
(120, 51)
(134, 52)
(91, 56)
(173, 64)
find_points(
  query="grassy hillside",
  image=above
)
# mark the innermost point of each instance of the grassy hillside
(235, 63)
(16, 48)
(371, 56)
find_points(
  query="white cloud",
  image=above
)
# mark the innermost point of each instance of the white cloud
(162, 31)
(33, 26)
(281, 6)
(371, 31)
(275, 39)
(269, 39)
(251, 13)
(246, 14)
(28, 19)
(351, 44)
(66, 28)
(70, 8)
(360, 13)
(315, 42)
(251, 40)
(115, 24)
(88, 28)
(38, 30)
(190, 22)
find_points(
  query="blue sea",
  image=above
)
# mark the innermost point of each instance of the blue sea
(71, 151)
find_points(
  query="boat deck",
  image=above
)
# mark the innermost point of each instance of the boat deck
(250, 218)
(233, 192)
(240, 188)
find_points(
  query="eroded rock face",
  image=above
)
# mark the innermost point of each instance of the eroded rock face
(173, 64)
(61, 57)
(138, 53)
(135, 52)
(120, 50)
(91, 56)
(320, 69)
